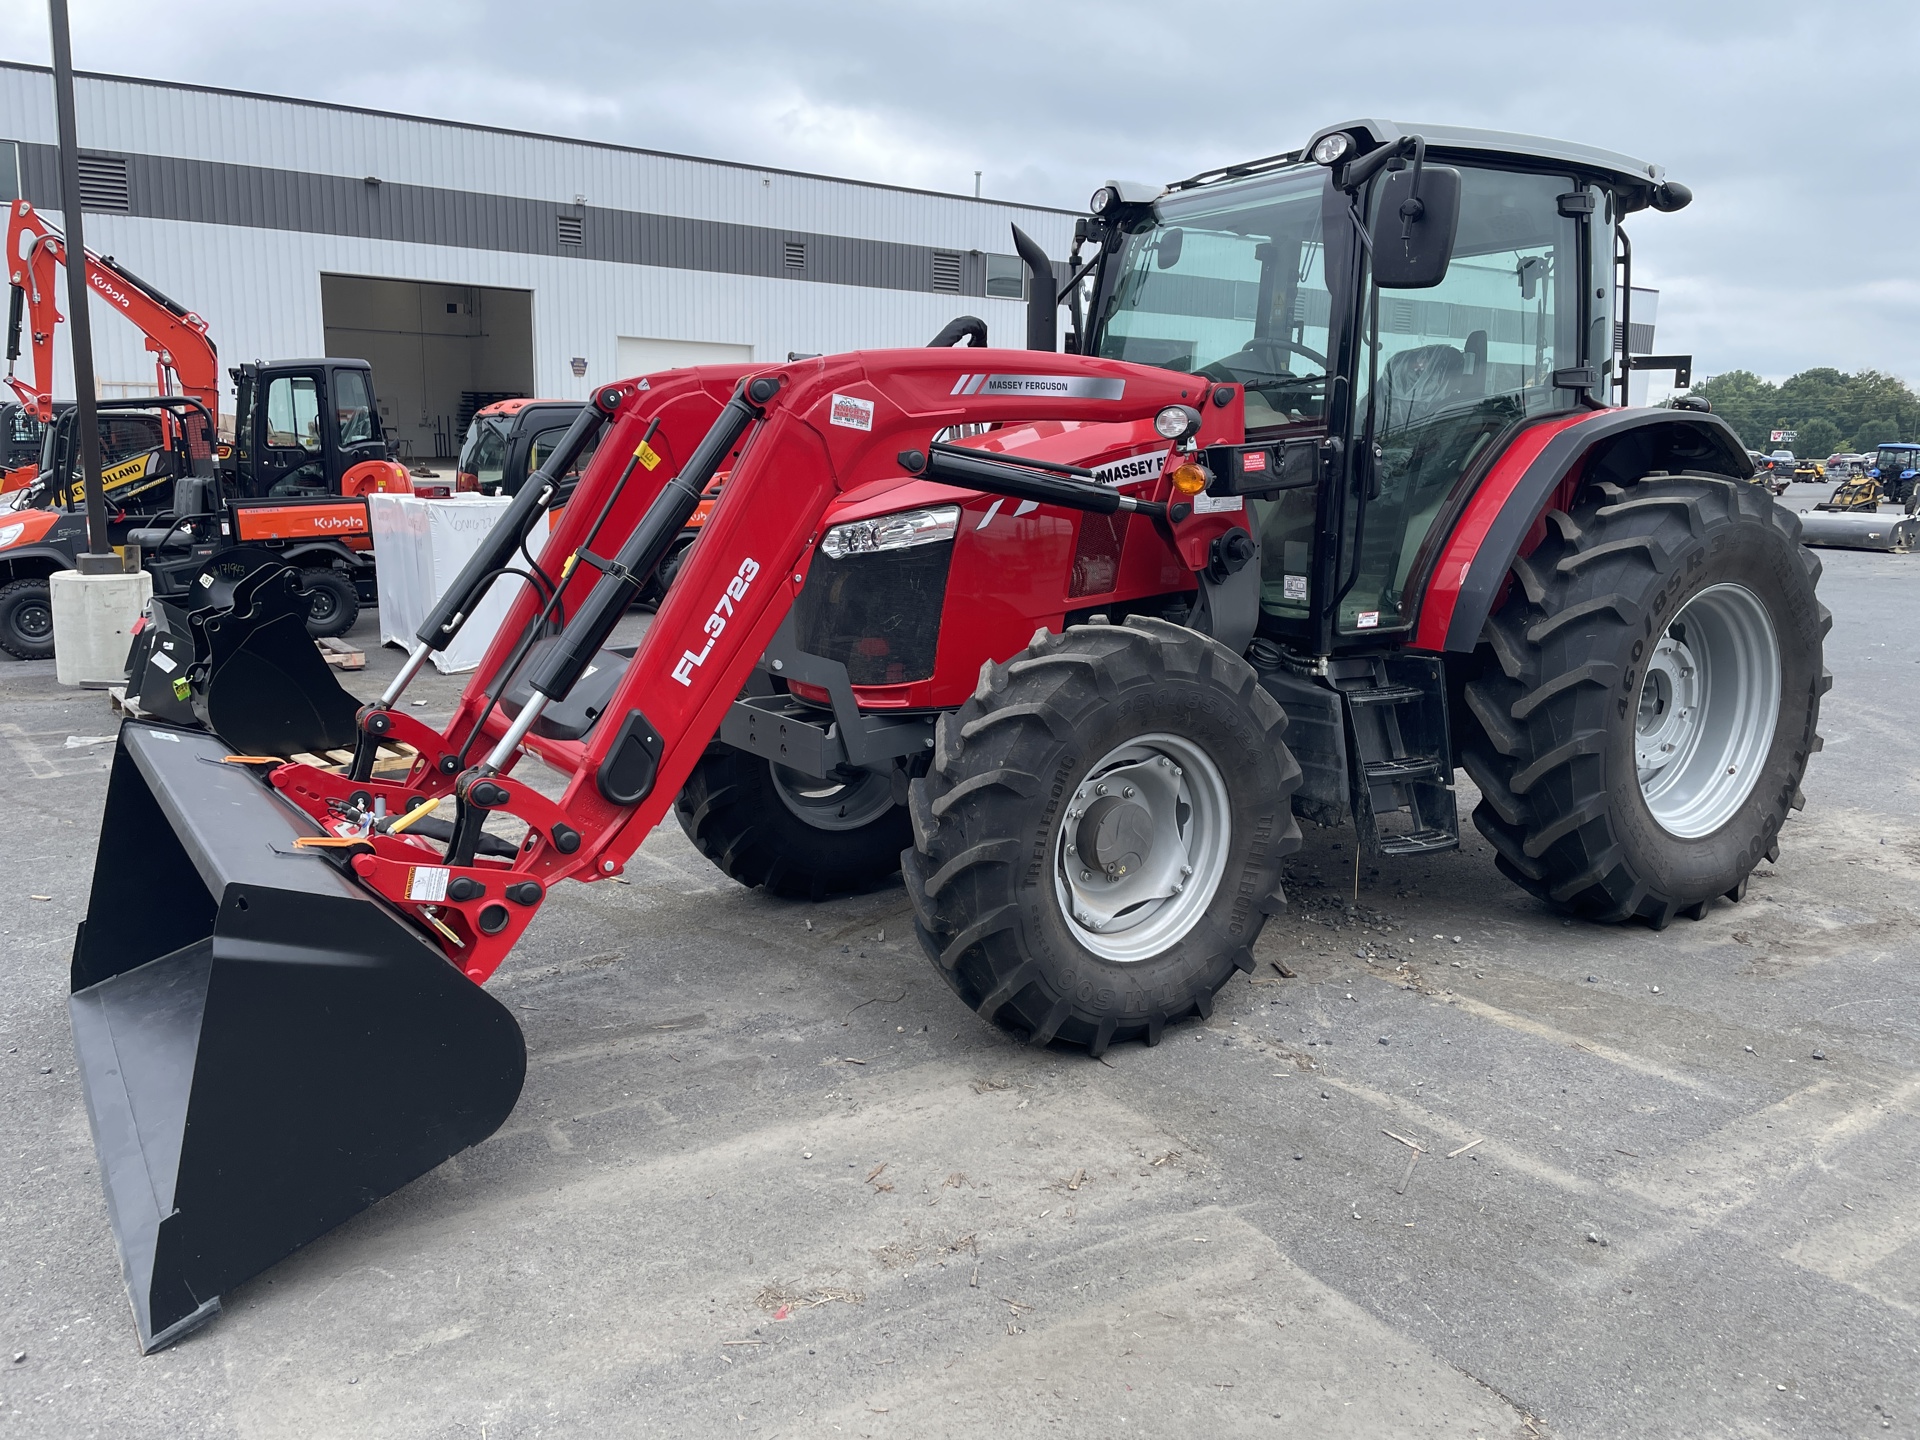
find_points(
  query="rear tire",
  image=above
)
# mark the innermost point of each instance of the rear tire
(1628, 758)
(1003, 874)
(26, 620)
(336, 602)
(799, 838)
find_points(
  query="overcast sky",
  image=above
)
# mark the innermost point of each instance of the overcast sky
(1796, 125)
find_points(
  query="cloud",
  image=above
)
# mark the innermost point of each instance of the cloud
(1796, 251)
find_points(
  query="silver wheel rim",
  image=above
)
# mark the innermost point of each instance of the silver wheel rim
(1140, 853)
(833, 804)
(1708, 706)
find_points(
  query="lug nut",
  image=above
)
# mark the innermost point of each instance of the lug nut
(1086, 875)
(1099, 789)
(1127, 793)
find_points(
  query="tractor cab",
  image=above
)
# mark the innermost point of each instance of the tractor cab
(309, 428)
(1895, 467)
(20, 436)
(1392, 309)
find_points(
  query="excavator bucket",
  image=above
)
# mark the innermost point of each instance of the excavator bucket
(260, 683)
(266, 1048)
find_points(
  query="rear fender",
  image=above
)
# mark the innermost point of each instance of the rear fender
(32, 562)
(1542, 466)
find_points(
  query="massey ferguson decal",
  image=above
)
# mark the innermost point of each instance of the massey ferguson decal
(1133, 470)
(1041, 387)
(717, 621)
(852, 412)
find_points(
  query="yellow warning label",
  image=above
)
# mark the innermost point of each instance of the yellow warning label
(647, 455)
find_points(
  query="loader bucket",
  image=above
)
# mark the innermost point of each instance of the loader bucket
(266, 1048)
(265, 690)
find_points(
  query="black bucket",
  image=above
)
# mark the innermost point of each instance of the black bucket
(160, 665)
(260, 683)
(267, 1049)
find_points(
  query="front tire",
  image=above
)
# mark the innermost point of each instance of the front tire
(1649, 699)
(26, 620)
(765, 825)
(1100, 839)
(336, 602)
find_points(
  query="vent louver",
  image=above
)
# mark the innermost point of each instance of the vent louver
(572, 229)
(796, 254)
(103, 184)
(946, 272)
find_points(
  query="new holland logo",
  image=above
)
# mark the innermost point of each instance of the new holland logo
(1041, 387)
(736, 590)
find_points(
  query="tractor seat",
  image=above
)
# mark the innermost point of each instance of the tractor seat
(1419, 381)
(191, 494)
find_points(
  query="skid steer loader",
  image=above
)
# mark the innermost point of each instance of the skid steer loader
(1322, 503)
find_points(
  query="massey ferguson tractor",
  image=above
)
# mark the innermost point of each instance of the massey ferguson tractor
(1322, 503)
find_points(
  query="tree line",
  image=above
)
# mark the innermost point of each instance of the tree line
(1831, 411)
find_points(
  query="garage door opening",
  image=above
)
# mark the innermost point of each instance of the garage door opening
(439, 352)
(643, 354)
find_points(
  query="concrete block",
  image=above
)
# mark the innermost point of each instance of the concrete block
(93, 619)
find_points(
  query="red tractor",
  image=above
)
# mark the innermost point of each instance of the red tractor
(1322, 503)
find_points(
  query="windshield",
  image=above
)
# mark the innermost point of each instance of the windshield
(1231, 286)
(1892, 461)
(484, 455)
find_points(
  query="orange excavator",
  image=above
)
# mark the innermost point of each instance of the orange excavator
(185, 362)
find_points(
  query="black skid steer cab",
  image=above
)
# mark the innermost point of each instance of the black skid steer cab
(175, 511)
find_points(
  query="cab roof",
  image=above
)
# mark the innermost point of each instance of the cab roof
(1622, 169)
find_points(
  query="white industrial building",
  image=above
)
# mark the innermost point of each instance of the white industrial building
(466, 262)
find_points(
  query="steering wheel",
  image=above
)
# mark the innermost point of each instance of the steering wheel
(1267, 354)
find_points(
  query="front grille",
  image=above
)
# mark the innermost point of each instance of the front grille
(877, 614)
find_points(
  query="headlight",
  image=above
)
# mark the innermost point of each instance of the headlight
(1330, 148)
(9, 534)
(1176, 422)
(1102, 198)
(892, 532)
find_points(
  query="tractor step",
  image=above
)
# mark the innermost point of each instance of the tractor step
(1402, 773)
(1404, 768)
(1420, 842)
(1385, 695)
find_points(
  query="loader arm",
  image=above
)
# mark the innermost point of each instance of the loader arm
(796, 437)
(184, 358)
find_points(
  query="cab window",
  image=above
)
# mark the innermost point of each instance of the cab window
(353, 404)
(484, 456)
(546, 442)
(1444, 372)
(293, 414)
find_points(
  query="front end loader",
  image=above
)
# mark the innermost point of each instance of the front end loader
(1321, 505)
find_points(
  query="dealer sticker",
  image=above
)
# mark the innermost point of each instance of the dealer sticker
(1367, 620)
(162, 662)
(1293, 587)
(427, 883)
(852, 412)
(1205, 504)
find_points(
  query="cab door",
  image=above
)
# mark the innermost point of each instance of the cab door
(288, 441)
(352, 422)
(1447, 375)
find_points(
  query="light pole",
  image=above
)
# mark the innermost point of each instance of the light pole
(99, 559)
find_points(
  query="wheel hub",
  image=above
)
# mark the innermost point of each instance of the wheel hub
(1669, 706)
(1143, 847)
(1709, 703)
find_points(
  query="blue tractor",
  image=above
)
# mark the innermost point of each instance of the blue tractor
(1896, 467)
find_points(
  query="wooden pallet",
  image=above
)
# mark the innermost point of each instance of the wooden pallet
(339, 654)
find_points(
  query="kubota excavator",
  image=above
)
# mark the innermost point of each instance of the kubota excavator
(1323, 501)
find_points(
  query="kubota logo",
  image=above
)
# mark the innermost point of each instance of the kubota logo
(110, 290)
(337, 522)
(716, 622)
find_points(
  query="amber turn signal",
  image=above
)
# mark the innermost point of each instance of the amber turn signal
(1189, 479)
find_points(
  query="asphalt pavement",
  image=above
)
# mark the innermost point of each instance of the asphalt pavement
(1472, 1170)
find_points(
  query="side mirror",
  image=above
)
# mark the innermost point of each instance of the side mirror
(1166, 250)
(1414, 227)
